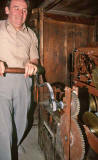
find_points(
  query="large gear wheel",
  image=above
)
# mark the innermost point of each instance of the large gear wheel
(77, 144)
(75, 105)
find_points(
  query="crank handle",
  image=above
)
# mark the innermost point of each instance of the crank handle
(40, 70)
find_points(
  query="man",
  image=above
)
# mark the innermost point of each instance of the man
(18, 48)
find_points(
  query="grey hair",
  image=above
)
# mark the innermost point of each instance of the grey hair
(9, 2)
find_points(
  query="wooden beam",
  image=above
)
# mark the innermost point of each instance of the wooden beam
(46, 3)
(41, 34)
(51, 5)
(72, 19)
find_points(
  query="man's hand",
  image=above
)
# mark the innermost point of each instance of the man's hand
(2, 68)
(30, 69)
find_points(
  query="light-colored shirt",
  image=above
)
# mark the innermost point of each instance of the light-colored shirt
(17, 47)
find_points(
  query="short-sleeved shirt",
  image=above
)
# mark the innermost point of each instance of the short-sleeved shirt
(17, 47)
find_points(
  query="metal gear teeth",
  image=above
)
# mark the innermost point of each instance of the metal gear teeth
(82, 139)
(75, 105)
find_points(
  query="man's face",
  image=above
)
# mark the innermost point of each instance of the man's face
(17, 13)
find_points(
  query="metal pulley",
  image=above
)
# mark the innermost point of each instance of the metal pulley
(91, 120)
(93, 102)
(95, 77)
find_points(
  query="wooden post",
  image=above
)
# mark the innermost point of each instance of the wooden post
(41, 47)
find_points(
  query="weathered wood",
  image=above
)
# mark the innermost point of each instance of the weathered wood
(60, 38)
(73, 19)
(48, 127)
(52, 4)
(15, 70)
(85, 8)
(41, 35)
(54, 52)
(41, 47)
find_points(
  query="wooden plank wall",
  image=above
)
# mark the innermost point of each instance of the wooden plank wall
(59, 40)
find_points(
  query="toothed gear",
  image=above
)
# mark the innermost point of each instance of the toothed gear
(75, 105)
(77, 143)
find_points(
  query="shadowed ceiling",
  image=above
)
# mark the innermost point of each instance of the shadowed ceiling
(84, 7)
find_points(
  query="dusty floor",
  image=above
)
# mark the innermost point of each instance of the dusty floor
(31, 149)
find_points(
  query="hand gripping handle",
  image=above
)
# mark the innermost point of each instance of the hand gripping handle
(40, 70)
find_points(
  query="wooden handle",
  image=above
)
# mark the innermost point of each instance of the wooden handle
(40, 69)
(15, 70)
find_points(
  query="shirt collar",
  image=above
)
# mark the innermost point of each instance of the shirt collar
(8, 24)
